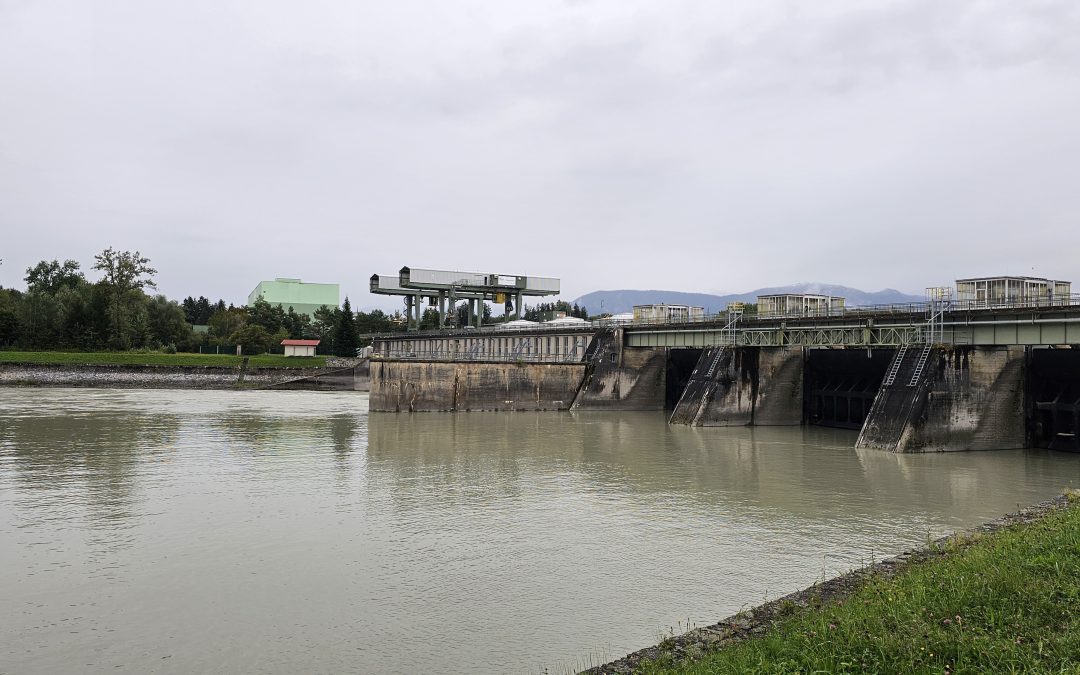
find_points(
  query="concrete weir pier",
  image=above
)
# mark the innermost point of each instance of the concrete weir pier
(970, 380)
(428, 386)
(733, 386)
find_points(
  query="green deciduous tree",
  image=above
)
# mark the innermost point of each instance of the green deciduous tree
(429, 320)
(224, 322)
(49, 276)
(126, 274)
(323, 326)
(168, 325)
(298, 325)
(273, 318)
(86, 316)
(9, 318)
(375, 321)
(252, 338)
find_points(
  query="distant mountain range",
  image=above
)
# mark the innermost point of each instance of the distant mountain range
(614, 302)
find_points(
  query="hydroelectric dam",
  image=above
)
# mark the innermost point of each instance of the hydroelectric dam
(941, 375)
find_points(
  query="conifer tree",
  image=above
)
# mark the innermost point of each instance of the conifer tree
(345, 337)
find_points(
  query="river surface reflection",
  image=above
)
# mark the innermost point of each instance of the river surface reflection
(283, 532)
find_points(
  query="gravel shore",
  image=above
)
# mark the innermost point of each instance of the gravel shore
(150, 377)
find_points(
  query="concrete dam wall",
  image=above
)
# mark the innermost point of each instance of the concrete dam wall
(399, 386)
(965, 398)
(743, 386)
(622, 378)
(911, 399)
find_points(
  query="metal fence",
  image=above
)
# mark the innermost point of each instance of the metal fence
(444, 355)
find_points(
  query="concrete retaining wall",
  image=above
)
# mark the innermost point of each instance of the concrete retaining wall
(353, 378)
(402, 386)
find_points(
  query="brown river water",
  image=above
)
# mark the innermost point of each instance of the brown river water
(288, 532)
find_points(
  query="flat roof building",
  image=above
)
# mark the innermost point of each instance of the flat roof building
(989, 291)
(304, 298)
(799, 304)
(664, 312)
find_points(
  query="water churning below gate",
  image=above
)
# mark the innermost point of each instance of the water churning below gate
(281, 532)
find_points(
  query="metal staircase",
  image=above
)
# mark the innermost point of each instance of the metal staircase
(938, 301)
(595, 352)
(920, 365)
(729, 334)
(715, 362)
(890, 377)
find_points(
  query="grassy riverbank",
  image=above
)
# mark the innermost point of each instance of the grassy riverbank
(1002, 602)
(159, 359)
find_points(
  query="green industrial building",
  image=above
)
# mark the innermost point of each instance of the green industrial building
(303, 298)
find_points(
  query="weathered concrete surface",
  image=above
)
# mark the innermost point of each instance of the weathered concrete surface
(968, 398)
(147, 377)
(354, 378)
(975, 402)
(763, 386)
(622, 378)
(425, 386)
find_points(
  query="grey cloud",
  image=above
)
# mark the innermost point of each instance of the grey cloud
(613, 144)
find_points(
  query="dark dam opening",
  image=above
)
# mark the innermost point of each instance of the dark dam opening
(1054, 399)
(840, 385)
(680, 365)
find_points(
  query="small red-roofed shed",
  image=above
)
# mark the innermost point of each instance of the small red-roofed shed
(300, 347)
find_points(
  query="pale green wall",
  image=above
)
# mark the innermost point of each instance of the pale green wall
(304, 298)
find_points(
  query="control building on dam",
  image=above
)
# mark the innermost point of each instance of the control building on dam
(996, 366)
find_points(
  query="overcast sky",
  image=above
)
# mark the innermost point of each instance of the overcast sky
(698, 146)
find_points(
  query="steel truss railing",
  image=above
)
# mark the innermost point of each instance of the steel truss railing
(575, 356)
(848, 336)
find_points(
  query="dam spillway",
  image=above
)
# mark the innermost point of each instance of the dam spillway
(999, 378)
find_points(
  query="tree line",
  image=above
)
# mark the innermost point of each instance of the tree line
(547, 310)
(61, 309)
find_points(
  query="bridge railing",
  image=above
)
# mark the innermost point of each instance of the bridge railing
(445, 355)
(859, 311)
(722, 318)
(486, 330)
